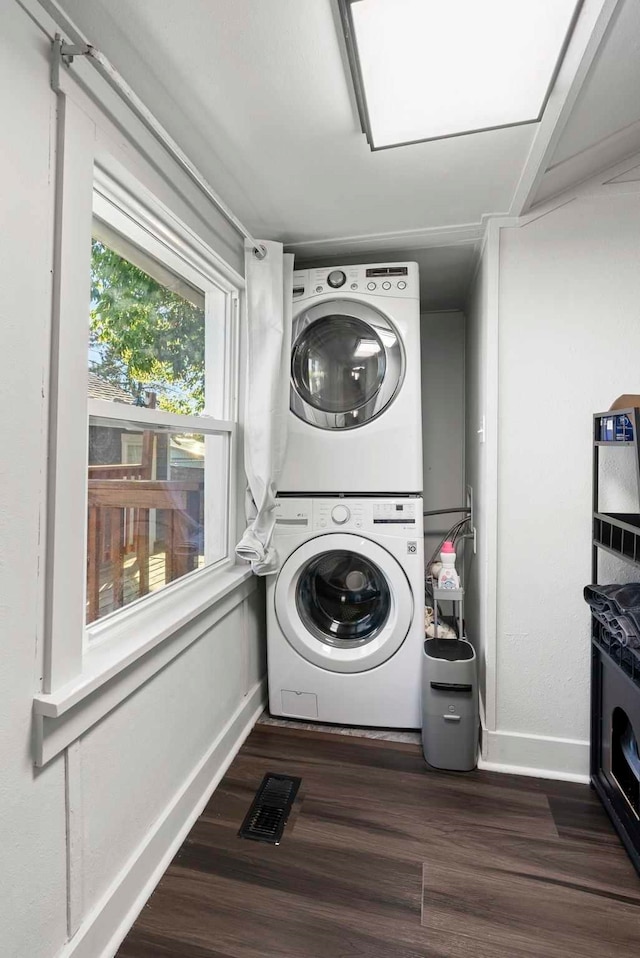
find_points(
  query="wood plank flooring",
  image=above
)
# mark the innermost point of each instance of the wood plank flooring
(385, 858)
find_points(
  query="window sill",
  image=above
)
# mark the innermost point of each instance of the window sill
(127, 650)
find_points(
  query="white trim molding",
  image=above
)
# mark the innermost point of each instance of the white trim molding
(106, 925)
(68, 438)
(491, 441)
(538, 756)
(113, 670)
(461, 234)
(118, 199)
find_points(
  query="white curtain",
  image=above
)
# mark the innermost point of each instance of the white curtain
(269, 305)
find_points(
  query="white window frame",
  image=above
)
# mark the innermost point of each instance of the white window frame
(87, 670)
(116, 206)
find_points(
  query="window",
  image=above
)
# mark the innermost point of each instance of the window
(144, 465)
(161, 360)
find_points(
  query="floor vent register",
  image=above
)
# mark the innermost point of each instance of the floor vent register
(267, 817)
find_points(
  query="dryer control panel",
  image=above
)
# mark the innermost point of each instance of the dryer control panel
(379, 279)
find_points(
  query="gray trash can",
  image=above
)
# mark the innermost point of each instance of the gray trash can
(450, 721)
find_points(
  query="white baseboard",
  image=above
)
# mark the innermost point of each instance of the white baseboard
(105, 927)
(539, 756)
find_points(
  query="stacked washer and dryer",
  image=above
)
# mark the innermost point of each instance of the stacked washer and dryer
(345, 611)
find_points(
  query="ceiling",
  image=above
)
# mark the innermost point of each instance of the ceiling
(259, 96)
(604, 125)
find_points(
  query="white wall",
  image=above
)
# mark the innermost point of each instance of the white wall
(442, 354)
(32, 803)
(569, 345)
(130, 784)
(554, 310)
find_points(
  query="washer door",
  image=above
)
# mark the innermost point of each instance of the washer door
(346, 364)
(343, 603)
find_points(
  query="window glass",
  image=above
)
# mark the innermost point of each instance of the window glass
(343, 598)
(147, 523)
(147, 330)
(338, 364)
(157, 492)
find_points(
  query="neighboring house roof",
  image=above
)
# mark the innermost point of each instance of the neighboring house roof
(186, 452)
(100, 388)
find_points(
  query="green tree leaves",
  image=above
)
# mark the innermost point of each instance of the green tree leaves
(143, 336)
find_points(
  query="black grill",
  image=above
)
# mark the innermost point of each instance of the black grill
(267, 817)
(625, 656)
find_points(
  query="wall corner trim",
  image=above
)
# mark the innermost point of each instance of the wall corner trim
(104, 928)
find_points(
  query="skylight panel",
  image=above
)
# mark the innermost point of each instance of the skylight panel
(427, 69)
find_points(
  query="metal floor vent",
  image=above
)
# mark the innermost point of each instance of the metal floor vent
(265, 820)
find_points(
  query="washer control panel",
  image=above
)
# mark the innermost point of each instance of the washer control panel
(379, 279)
(293, 515)
(394, 513)
(338, 514)
(391, 516)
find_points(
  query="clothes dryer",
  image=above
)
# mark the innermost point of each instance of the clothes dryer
(355, 419)
(345, 617)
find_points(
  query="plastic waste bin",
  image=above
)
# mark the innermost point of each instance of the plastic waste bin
(450, 723)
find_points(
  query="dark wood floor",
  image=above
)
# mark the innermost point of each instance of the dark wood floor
(384, 858)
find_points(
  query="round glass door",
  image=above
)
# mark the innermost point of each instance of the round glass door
(343, 598)
(338, 364)
(343, 602)
(346, 364)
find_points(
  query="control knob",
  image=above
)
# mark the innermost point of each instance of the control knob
(340, 515)
(336, 279)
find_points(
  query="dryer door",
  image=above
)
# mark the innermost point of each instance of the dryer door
(343, 603)
(346, 364)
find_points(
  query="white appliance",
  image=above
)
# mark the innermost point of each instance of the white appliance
(355, 421)
(345, 613)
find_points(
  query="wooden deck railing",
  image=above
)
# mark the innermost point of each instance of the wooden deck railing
(111, 501)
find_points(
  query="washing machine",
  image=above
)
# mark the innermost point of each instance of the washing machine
(345, 617)
(355, 421)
